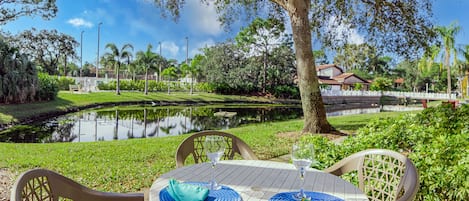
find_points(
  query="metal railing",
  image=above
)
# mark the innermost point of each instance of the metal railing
(414, 95)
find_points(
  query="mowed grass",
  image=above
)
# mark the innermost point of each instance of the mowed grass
(132, 165)
(67, 100)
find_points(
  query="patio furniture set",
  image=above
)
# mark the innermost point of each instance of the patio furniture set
(382, 175)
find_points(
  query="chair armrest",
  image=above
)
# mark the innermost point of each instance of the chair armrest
(345, 165)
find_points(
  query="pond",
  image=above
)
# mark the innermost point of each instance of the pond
(118, 123)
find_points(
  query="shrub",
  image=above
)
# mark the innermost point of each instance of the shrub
(436, 140)
(48, 87)
(64, 82)
(286, 91)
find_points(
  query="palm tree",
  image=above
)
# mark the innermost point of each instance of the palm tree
(147, 59)
(170, 73)
(193, 69)
(447, 35)
(118, 56)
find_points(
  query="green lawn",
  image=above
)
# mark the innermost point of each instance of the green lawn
(67, 100)
(131, 165)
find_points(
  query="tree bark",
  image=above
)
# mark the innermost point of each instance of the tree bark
(314, 113)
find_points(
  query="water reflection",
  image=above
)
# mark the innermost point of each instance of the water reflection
(131, 122)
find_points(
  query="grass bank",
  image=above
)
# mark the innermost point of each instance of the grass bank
(67, 101)
(131, 165)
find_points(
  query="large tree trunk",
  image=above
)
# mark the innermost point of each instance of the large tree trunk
(315, 120)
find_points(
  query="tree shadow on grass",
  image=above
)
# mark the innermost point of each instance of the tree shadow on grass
(26, 112)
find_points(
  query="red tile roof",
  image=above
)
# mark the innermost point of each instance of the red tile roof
(399, 80)
(326, 66)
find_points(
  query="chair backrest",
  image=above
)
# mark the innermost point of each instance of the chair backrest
(42, 184)
(383, 175)
(194, 145)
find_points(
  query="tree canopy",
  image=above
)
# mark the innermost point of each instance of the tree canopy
(11, 10)
(403, 27)
(46, 47)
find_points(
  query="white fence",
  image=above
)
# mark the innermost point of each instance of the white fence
(414, 95)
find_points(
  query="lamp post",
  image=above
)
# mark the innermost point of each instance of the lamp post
(187, 50)
(97, 62)
(81, 53)
(159, 73)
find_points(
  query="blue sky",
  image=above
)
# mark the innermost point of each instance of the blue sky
(139, 23)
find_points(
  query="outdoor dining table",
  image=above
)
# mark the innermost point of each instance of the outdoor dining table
(259, 179)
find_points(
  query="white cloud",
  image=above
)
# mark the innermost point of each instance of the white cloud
(203, 18)
(199, 45)
(80, 22)
(344, 32)
(170, 47)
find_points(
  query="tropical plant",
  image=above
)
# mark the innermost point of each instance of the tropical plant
(193, 69)
(18, 76)
(447, 35)
(148, 60)
(119, 56)
(170, 73)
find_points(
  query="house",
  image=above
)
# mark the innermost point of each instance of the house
(398, 83)
(332, 77)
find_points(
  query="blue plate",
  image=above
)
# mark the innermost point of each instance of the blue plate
(224, 194)
(315, 196)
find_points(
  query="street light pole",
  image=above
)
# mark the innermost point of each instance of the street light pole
(97, 62)
(159, 73)
(81, 53)
(187, 50)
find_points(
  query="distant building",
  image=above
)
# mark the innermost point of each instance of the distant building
(332, 77)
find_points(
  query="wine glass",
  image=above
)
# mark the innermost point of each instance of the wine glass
(302, 157)
(214, 148)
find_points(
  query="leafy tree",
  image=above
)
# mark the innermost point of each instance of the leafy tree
(401, 27)
(381, 84)
(320, 57)
(262, 35)
(11, 10)
(46, 48)
(170, 73)
(119, 56)
(361, 57)
(447, 35)
(148, 60)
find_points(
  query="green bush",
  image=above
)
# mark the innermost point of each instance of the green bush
(48, 87)
(286, 91)
(436, 140)
(154, 86)
(64, 82)
(204, 86)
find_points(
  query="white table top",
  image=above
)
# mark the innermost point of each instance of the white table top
(260, 180)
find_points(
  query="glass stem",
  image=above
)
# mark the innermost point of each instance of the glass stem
(212, 181)
(302, 180)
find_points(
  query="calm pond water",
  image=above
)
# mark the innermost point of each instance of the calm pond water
(120, 123)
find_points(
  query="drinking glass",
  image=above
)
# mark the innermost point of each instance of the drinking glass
(214, 148)
(302, 157)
